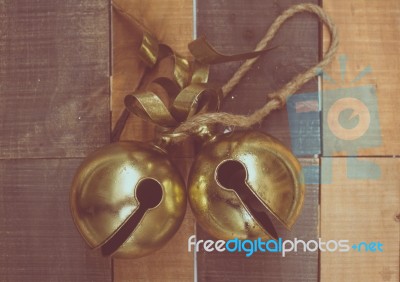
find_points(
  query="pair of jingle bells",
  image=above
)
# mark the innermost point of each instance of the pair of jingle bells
(128, 198)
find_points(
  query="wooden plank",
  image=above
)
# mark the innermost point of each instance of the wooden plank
(54, 78)
(369, 40)
(171, 22)
(301, 266)
(235, 27)
(361, 210)
(54, 104)
(38, 239)
(360, 197)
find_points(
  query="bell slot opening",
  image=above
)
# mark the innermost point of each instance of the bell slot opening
(149, 194)
(232, 175)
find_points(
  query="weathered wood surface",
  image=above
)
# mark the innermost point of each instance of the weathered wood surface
(54, 77)
(54, 109)
(38, 240)
(361, 210)
(360, 197)
(54, 104)
(369, 34)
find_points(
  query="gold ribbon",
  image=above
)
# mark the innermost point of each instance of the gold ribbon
(189, 92)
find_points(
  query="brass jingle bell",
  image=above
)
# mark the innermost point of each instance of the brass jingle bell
(240, 180)
(128, 199)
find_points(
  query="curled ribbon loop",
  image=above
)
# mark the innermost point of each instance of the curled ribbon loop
(206, 54)
(149, 49)
(188, 92)
(194, 99)
(191, 102)
(149, 106)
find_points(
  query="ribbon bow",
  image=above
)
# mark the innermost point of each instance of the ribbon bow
(189, 92)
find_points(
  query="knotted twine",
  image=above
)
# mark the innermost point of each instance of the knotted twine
(276, 100)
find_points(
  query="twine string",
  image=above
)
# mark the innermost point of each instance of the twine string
(278, 98)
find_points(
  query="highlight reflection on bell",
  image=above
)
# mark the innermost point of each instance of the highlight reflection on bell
(240, 180)
(128, 199)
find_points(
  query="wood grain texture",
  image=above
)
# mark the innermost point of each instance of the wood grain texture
(360, 197)
(369, 34)
(54, 77)
(361, 210)
(54, 104)
(38, 239)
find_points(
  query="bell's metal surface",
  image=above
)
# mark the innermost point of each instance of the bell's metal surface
(128, 199)
(239, 180)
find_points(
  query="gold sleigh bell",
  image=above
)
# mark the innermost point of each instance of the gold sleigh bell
(128, 199)
(240, 180)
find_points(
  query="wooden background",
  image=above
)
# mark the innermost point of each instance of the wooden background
(54, 109)
(56, 60)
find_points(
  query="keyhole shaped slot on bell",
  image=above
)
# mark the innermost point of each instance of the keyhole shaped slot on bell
(149, 194)
(232, 175)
